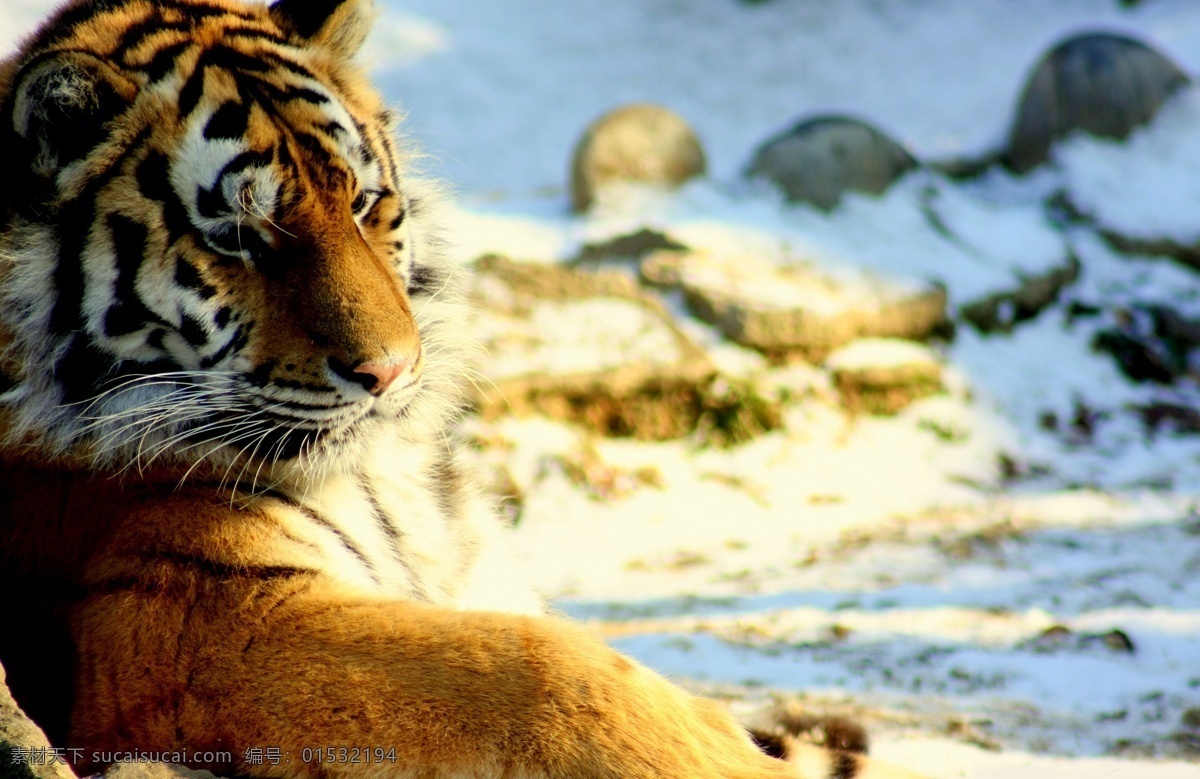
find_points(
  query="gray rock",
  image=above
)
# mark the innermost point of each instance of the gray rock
(18, 737)
(154, 771)
(819, 159)
(1000, 312)
(1102, 83)
(1183, 253)
(623, 248)
(640, 142)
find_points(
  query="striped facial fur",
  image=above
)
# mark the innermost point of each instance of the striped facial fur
(211, 248)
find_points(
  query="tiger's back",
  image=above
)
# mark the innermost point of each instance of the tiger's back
(232, 352)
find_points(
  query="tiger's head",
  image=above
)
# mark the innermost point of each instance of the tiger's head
(210, 247)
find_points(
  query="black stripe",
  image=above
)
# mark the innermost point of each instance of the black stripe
(219, 570)
(64, 25)
(137, 34)
(234, 240)
(192, 330)
(198, 12)
(845, 766)
(75, 219)
(323, 522)
(447, 485)
(255, 33)
(130, 243)
(233, 61)
(388, 157)
(163, 62)
(154, 181)
(189, 278)
(190, 94)
(395, 539)
(247, 159)
(424, 279)
(294, 405)
(80, 368)
(222, 57)
(261, 376)
(299, 385)
(230, 121)
(211, 203)
(290, 65)
(236, 343)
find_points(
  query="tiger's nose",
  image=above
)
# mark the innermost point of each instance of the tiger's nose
(377, 377)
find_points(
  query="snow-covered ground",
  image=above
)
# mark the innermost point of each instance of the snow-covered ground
(1003, 579)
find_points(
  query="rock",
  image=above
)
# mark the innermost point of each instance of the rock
(884, 375)
(23, 745)
(1150, 343)
(819, 159)
(154, 771)
(590, 348)
(1114, 641)
(1140, 360)
(663, 268)
(1102, 83)
(1185, 253)
(641, 142)
(1001, 311)
(633, 246)
(1062, 639)
(796, 309)
(1173, 418)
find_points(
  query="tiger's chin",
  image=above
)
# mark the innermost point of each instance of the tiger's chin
(249, 450)
(299, 456)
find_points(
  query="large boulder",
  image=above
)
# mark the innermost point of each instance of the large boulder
(797, 309)
(1102, 83)
(21, 740)
(819, 159)
(643, 143)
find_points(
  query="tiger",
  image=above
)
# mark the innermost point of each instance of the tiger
(234, 347)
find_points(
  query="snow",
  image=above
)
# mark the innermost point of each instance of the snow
(578, 337)
(1146, 187)
(879, 353)
(909, 566)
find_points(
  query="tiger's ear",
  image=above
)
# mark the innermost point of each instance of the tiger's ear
(62, 103)
(340, 26)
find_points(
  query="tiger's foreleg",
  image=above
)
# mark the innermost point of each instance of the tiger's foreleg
(278, 662)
